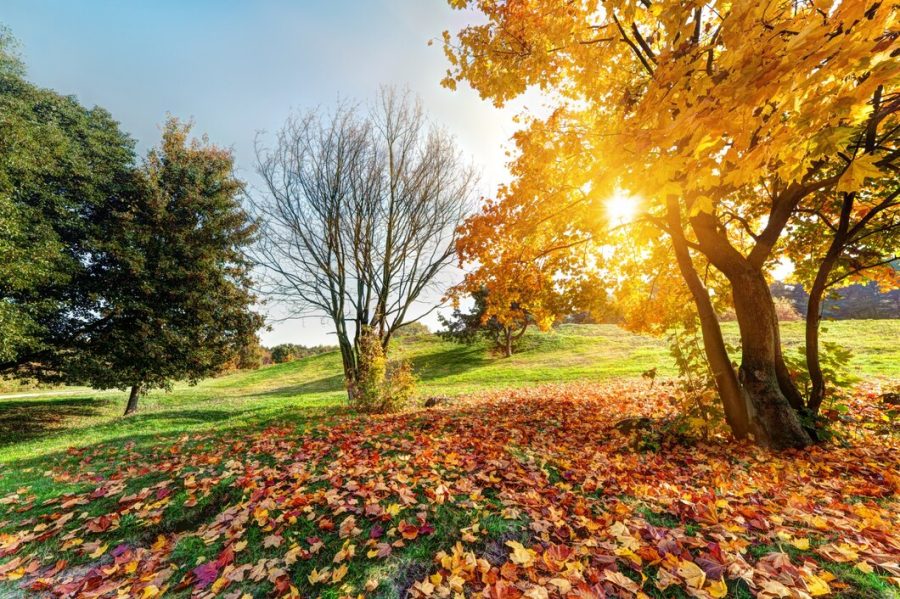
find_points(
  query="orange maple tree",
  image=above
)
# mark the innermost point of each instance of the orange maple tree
(725, 117)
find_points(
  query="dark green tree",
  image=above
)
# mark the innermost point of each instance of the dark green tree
(173, 281)
(60, 164)
(468, 328)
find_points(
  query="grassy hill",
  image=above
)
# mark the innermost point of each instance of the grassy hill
(264, 480)
(312, 387)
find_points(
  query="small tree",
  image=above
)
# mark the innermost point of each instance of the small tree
(467, 328)
(379, 386)
(359, 217)
(177, 301)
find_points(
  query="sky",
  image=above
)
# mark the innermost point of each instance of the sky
(239, 69)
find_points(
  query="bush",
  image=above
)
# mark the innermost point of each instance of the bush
(785, 310)
(288, 352)
(412, 329)
(380, 387)
(250, 356)
(699, 412)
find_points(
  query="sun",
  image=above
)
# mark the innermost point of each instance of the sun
(621, 208)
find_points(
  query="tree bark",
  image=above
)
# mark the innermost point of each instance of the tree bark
(814, 306)
(133, 397)
(734, 400)
(773, 421)
(785, 382)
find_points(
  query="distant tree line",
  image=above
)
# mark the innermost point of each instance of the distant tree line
(860, 300)
(288, 352)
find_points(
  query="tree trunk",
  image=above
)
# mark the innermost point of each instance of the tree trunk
(773, 421)
(734, 400)
(133, 397)
(814, 306)
(507, 346)
(785, 382)
(349, 358)
(813, 320)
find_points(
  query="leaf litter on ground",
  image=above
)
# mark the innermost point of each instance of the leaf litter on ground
(520, 493)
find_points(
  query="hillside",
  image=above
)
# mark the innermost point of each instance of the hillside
(262, 483)
(311, 387)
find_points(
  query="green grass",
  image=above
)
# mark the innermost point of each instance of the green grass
(37, 431)
(312, 388)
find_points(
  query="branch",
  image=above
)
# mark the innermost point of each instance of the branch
(628, 41)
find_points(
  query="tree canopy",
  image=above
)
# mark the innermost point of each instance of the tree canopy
(725, 118)
(60, 164)
(177, 300)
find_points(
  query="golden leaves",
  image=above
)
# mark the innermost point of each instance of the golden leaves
(854, 176)
(715, 108)
(521, 555)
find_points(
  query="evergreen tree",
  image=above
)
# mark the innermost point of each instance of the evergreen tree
(176, 298)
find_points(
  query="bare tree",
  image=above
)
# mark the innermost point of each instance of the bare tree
(359, 215)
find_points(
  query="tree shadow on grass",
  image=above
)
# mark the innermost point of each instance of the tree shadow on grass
(321, 385)
(133, 431)
(459, 359)
(23, 420)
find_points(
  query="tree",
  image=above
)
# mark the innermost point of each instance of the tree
(725, 118)
(177, 295)
(851, 232)
(60, 164)
(411, 330)
(467, 328)
(288, 352)
(359, 216)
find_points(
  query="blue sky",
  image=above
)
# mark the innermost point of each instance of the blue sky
(239, 68)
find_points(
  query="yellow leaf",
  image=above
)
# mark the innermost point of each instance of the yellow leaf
(562, 584)
(424, 587)
(316, 577)
(801, 544)
(693, 575)
(521, 555)
(816, 586)
(339, 573)
(150, 591)
(864, 567)
(99, 551)
(834, 139)
(537, 593)
(702, 204)
(717, 589)
(855, 175)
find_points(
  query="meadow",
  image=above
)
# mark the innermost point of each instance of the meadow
(263, 482)
(36, 423)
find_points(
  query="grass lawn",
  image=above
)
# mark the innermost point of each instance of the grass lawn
(261, 482)
(34, 426)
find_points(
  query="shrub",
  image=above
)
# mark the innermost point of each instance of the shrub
(699, 412)
(380, 387)
(412, 329)
(288, 352)
(785, 310)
